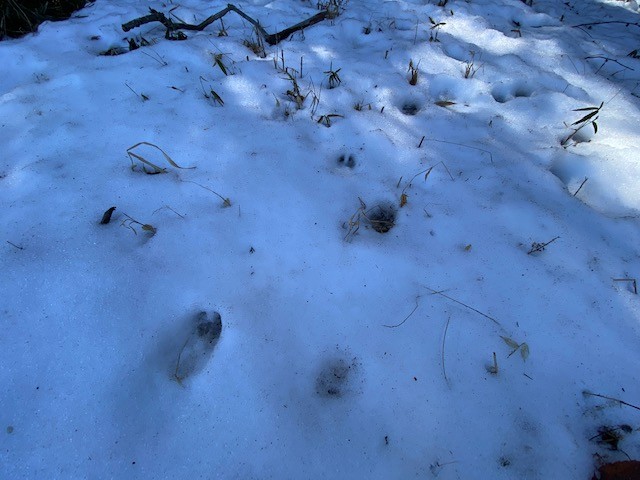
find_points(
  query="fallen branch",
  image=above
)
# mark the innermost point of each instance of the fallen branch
(271, 39)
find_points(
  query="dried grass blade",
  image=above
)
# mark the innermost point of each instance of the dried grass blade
(165, 154)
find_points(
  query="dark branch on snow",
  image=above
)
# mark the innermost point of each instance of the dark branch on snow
(271, 39)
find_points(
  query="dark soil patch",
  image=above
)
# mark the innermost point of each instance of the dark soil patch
(336, 377)
(382, 218)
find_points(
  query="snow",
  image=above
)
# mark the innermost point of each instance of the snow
(344, 352)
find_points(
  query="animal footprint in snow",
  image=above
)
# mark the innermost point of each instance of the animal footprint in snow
(199, 345)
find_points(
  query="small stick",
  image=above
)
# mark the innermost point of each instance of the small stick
(622, 402)
(406, 318)
(581, 185)
(421, 140)
(134, 92)
(14, 245)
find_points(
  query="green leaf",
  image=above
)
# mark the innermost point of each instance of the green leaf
(524, 351)
(510, 342)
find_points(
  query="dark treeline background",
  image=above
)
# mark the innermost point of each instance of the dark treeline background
(18, 17)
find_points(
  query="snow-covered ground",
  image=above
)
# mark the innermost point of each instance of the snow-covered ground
(345, 352)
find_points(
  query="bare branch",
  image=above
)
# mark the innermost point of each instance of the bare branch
(271, 39)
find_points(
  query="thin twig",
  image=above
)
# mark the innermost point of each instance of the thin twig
(435, 292)
(271, 39)
(129, 87)
(635, 24)
(444, 338)
(581, 185)
(607, 59)
(14, 245)
(622, 402)
(406, 318)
